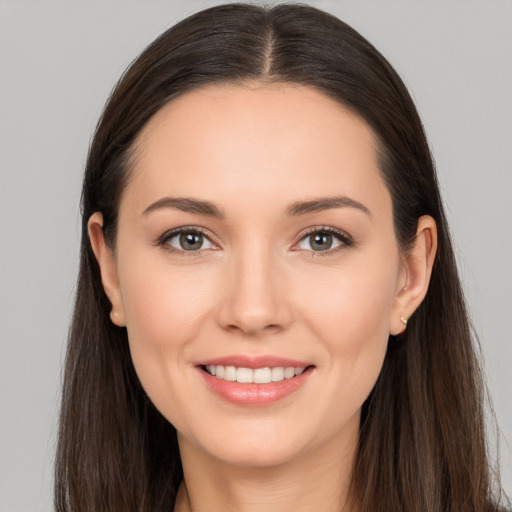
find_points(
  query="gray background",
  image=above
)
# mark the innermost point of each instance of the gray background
(58, 63)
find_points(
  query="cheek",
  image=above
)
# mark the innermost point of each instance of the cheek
(159, 298)
(352, 301)
(164, 312)
(352, 320)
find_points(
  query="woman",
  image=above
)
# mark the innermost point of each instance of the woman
(268, 313)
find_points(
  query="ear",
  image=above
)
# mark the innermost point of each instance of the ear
(415, 278)
(108, 268)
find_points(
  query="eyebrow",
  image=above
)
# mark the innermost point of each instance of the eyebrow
(186, 204)
(324, 203)
(190, 205)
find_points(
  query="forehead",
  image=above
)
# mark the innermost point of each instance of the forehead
(232, 141)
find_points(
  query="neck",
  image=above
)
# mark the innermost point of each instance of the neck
(318, 480)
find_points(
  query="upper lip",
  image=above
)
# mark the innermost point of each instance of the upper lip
(243, 361)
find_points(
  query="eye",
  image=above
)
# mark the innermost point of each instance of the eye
(187, 240)
(324, 240)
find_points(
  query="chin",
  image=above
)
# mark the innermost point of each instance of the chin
(261, 446)
(258, 456)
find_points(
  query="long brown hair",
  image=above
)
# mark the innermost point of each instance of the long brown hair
(422, 440)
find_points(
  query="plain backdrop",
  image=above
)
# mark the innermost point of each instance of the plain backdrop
(58, 63)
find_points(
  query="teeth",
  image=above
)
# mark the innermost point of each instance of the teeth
(277, 374)
(262, 375)
(244, 375)
(250, 376)
(230, 373)
(289, 372)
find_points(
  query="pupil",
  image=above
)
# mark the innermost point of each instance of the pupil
(321, 241)
(191, 241)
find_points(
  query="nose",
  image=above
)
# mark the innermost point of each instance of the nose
(254, 295)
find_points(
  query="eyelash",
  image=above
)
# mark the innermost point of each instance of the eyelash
(344, 239)
(169, 235)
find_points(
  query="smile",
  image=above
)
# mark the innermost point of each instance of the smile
(253, 376)
(254, 381)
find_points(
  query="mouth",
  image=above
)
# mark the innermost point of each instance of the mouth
(265, 375)
(257, 381)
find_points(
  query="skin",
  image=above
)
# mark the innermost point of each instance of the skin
(257, 287)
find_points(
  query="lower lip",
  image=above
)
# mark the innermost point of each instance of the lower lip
(255, 394)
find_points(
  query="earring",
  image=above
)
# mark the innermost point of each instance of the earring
(404, 322)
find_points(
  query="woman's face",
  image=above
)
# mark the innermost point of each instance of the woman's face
(256, 235)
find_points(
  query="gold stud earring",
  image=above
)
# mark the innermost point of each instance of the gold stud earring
(404, 321)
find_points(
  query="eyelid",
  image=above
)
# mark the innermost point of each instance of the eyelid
(171, 233)
(345, 239)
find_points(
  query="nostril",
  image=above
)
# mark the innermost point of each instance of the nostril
(253, 304)
(254, 329)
